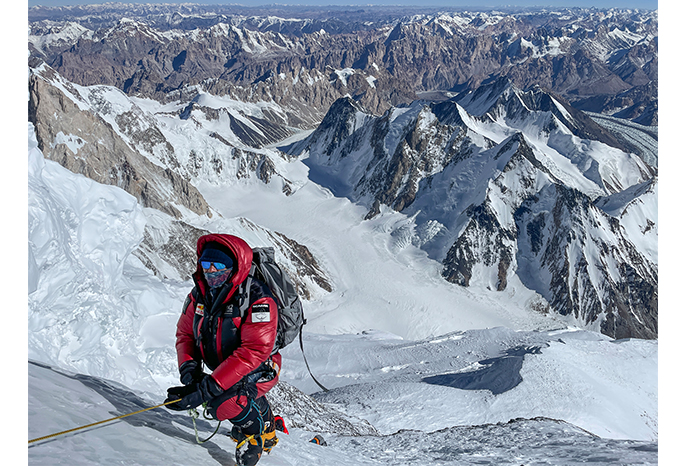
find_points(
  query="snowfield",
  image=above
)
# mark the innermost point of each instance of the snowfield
(58, 398)
(444, 374)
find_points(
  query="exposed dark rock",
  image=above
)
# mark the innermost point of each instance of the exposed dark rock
(300, 410)
(613, 281)
(103, 155)
(254, 59)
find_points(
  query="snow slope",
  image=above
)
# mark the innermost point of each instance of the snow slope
(60, 399)
(105, 325)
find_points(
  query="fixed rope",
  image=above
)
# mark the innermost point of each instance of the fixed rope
(307, 364)
(101, 422)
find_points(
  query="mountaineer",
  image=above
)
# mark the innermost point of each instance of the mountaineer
(236, 346)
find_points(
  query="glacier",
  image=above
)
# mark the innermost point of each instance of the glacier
(101, 339)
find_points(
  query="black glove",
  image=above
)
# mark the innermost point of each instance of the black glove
(193, 395)
(191, 372)
(189, 396)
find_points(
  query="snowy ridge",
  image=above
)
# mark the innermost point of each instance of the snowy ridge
(637, 208)
(464, 171)
(59, 35)
(86, 301)
(155, 437)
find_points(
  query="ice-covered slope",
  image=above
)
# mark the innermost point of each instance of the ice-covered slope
(486, 376)
(403, 387)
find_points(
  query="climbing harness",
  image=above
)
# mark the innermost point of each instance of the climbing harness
(101, 422)
(194, 413)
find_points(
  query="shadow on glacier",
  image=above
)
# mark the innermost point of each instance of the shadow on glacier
(160, 419)
(499, 375)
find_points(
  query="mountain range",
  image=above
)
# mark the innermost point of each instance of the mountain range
(547, 181)
(466, 200)
(601, 61)
(502, 182)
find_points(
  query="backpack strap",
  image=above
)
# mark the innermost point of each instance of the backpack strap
(243, 292)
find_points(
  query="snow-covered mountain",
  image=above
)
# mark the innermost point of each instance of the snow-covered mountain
(500, 184)
(392, 353)
(479, 271)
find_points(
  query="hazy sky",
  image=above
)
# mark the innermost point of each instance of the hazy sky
(646, 4)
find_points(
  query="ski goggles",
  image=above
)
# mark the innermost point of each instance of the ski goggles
(217, 265)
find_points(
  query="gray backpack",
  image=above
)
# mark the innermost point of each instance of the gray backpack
(290, 314)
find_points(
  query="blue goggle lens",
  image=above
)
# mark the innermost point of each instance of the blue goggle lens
(217, 265)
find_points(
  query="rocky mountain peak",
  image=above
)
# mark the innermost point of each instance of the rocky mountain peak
(437, 162)
(503, 179)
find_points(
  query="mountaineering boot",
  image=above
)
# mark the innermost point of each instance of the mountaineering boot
(247, 433)
(248, 449)
(254, 432)
(269, 434)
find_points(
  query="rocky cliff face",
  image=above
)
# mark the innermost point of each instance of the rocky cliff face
(502, 185)
(485, 251)
(99, 132)
(169, 250)
(585, 56)
(582, 261)
(84, 142)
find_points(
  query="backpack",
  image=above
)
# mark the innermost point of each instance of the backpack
(290, 313)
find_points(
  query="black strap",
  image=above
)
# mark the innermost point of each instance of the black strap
(307, 364)
(243, 292)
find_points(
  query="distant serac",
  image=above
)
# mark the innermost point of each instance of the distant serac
(505, 184)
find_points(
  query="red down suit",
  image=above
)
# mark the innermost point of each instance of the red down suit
(236, 349)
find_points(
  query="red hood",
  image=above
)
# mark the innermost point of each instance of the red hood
(241, 251)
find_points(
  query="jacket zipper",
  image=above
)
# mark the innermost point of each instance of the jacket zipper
(199, 337)
(219, 327)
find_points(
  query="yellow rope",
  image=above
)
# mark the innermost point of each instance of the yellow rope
(101, 422)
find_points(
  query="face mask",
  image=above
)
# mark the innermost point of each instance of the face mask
(218, 278)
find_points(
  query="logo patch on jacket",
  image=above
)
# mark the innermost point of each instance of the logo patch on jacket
(261, 313)
(200, 309)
